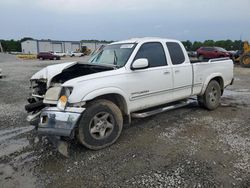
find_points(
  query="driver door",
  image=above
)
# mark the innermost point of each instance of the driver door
(153, 85)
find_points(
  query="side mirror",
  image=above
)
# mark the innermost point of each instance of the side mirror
(140, 64)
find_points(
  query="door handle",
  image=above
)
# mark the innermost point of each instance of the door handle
(166, 72)
(176, 71)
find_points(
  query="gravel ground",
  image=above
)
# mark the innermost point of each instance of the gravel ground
(187, 147)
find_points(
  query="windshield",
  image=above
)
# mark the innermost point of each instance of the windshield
(220, 49)
(115, 54)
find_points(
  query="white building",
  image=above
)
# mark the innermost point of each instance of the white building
(36, 46)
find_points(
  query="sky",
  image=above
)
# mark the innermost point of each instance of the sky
(195, 20)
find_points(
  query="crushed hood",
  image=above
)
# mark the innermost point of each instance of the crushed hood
(50, 71)
(73, 71)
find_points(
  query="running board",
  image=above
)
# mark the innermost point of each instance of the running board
(162, 109)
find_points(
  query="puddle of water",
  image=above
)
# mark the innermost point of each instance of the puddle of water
(247, 91)
(240, 97)
(13, 146)
(9, 143)
(9, 177)
(236, 92)
(10, 133)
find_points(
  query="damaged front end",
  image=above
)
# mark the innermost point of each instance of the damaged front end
(38, 89)
(52, 114)
(59, 118)
(59, 123)
(51, 77)
(49, 109)
(56, 118)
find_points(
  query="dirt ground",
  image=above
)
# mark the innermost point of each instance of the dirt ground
(187, 147)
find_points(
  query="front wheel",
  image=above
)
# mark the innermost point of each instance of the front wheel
(100, 125)
(211, 97)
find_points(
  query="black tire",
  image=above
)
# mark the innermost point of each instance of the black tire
(211, 98)
(93, 120)
(200, 101)
(245, 60)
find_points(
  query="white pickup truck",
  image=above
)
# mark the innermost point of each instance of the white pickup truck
(136, 78)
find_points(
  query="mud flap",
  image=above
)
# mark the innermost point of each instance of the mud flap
(63, 147)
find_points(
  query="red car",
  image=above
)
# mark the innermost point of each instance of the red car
(211, 53)
(48, 55)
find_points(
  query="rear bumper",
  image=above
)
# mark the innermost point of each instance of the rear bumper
(59, 123)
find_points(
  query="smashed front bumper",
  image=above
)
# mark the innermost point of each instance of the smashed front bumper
(59, 123)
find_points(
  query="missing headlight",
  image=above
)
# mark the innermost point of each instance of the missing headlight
(52, 95)
(66, 91)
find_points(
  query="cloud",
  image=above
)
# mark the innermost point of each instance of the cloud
(95, 6)
(119, 19)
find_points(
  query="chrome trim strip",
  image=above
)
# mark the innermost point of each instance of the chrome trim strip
(38, 96)
(67, 109)
(163, 91)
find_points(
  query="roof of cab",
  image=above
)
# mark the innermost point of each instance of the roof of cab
(145, 39)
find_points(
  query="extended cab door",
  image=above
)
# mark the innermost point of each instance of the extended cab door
(182, 71)
(153, 85)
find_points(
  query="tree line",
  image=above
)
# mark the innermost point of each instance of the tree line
(15, 45)
(227, 44)
(11, 45)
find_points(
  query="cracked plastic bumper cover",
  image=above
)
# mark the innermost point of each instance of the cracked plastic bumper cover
(59, 123)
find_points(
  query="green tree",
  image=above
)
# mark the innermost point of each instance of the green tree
(208, 43)
(26, 38)
(188, 45)
(196, 45)
(11, 45)
(237, 45)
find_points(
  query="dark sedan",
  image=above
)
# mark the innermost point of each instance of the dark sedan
(48, 55)
(211, 53)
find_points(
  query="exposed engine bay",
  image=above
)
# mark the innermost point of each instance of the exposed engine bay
(55, 76)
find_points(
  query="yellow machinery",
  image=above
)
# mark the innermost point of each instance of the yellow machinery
(244, 58)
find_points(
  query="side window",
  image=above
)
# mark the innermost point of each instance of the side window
(154, 52)
(176, 53)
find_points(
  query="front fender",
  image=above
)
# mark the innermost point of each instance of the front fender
(105, 91)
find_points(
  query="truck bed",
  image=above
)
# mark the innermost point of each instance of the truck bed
(221, 67)
(195, 60)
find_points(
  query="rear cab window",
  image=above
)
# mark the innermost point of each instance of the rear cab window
(176, 53)
(153, 52)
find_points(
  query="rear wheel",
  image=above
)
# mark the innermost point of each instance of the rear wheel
(211, 97)
(100, 125)
(245, 60)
